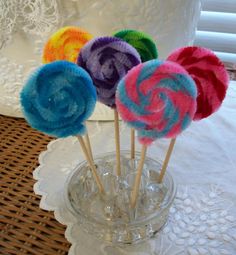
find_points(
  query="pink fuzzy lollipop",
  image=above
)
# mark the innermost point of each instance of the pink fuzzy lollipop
(209, 74)
(159, 100)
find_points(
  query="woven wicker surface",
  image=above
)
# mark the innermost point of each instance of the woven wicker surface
(24, 227)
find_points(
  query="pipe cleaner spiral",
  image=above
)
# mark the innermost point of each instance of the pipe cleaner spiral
(209, 74)
(142, 42)
(65, 44)
(158, 99)
(58, 98)
(107, 60)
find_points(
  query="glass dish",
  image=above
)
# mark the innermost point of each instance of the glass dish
(109, 217)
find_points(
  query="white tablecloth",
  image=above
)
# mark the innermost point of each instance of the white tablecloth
(203, 217)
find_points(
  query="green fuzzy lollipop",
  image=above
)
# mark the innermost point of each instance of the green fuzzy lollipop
(142, 42)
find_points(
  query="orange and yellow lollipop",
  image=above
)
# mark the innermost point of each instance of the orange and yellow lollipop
(65, 44)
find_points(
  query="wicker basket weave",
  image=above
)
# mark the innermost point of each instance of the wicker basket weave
(24, 227)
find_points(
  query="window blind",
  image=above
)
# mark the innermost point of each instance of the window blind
(217, 28)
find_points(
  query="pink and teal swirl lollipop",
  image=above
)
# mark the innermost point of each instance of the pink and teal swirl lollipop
(158, 99)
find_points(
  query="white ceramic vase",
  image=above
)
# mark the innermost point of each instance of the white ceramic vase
(26, 25)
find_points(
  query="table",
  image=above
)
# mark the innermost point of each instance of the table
(24, 227)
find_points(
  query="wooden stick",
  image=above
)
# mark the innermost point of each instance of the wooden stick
(117, 139)
(167, 158)
(91, 164)
(134, 194)
(88, 145)
(132, 156)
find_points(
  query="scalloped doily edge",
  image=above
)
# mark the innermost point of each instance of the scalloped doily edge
(43, 202)
(36, 175)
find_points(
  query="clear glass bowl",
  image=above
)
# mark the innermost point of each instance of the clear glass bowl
(109, 217)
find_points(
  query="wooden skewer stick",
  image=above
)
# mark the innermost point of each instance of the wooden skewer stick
(167, 158)
(117, 139)
(134, 194)
(132, 156)
(88, 145)
(91, 164)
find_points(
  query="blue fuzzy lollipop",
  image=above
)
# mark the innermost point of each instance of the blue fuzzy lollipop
(58, 98)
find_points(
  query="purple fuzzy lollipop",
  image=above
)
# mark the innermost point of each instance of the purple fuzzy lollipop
(107, 60)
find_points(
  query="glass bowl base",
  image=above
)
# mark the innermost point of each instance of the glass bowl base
(109, 216)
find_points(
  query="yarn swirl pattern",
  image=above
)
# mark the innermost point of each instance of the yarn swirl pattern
(107, 60)
(58, 98)
(142, 42)
(209, 74)
(65, 44)
(158, 99)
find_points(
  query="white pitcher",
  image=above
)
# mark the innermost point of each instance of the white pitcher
(27, 24)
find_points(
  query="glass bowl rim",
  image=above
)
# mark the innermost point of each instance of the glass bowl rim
(134, 223)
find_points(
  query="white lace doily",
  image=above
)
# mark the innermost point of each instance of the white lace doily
(25, 25)
(202, 220)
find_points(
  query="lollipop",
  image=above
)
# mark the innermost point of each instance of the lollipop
(147, 50)
(157, 98)
(142, 42)
(65, 44)
(57, 99)
(107, 60)
(209, 75)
